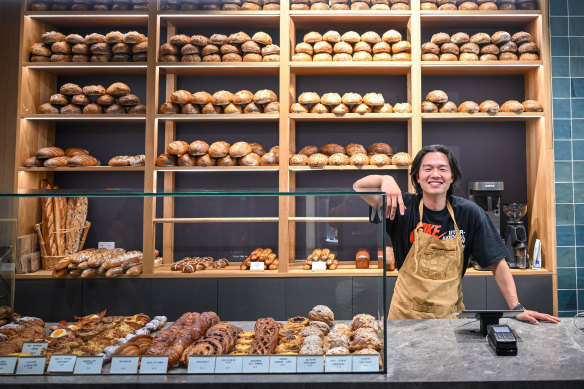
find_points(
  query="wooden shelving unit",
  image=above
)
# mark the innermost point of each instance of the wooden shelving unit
(39, 80)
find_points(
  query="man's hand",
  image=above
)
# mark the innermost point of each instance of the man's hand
(535, 317)
(393, 197)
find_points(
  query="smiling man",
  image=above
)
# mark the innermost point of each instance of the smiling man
(433, 236)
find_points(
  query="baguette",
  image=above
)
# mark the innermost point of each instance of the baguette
(122, 260)
(134, 269)
(44, 208)
(60, 210)
(76, 223)
(114, 271)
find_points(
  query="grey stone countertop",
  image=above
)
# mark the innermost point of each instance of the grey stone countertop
(421, 354)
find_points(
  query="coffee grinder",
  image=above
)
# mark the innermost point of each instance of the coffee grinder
(516, 236)
(487, 194)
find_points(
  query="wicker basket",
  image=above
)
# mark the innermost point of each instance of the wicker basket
(48, 261)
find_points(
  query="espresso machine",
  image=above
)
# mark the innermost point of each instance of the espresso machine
(516, 236)
(487, 194)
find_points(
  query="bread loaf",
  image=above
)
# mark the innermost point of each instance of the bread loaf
(317, 160)
(362, 259)
(60, 211)
(512, 106)
(532, 106)
(178, 147)
(49, 152)
(468, 107)
(56, 162)
(166, 160)
(82, 160)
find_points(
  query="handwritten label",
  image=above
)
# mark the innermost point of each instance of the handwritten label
(318, 266)
(338, 364)
(106, 245)
(154, 365)
(88, 365)
(365, 363)
(310, 364)
(124, 365)
(34, 348)
(7, 365)
(283, 364)
(62, 363)
(201, 365)
(31, 365)
(256, 364)
(256, 266)
(229, 365)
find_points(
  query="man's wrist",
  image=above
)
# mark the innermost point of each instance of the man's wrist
(519, 307)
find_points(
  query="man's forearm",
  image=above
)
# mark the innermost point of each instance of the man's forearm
(371, 182)
(505, 281)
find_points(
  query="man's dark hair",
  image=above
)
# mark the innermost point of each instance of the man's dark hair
(456, 173)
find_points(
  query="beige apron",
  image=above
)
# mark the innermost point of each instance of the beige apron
(429, 282)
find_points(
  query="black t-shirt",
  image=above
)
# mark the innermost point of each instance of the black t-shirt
(479, 236)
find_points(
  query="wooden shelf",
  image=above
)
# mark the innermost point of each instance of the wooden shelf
(367, 117)
(356, 68)
(194, 220)
(235, 117)
(472, 19)
(216, 168)
(220, 68)
(86, 118)
(88, 68)
(126, 19)
(482, 116)
(479, 67)
(83, 169)
(515, 272)
(348, 167)
(221, 19)
(347, 19)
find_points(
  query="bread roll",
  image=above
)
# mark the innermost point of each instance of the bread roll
(94, 38)
(371, 37)
(51, 37)
(379, 160)
(332, 148)
(33, 162)
(219, 149)
(490, 49)
(257, 148)
(322, 57)
(338, 159)
(481, 38)
(206, 160)
(532, 106)
(340, 109)
(430, 48)
(222, 97)
(380, 148)
(298, 57)
(508, 57)
(298, 108)
(251, 47)
(381, 47)
(323, 47)
(359, 159)
(312, 37)
(49, 152)
(129, 100)
(509, 47)
(209, 49)
(430, 57)
(40, 49)
(468, 107)
(58, 99)
(264, 96)
(186, 160)
(121, 160)
(385, 108)
(500, 37)
(391, 36)
(448, 57)
(440, 38)
(374, 99)
(218, 39)
(308, 150)
(189, 49)
(488, 57)
(331, 99)
(269, 159)
(402, 108)
(198, 148)
(298, 160)
(82, 160)
(56, 162)
(401, 47)
(239, 149)
(401, 159)
(165, 49)
(437, 96)
(362, 109)
(359, 6)
(447, 107)
(429, 107)
(355, 148)
(460, 38)
(490, 6)
(105, 100)
(115, 109)
(71, 109)
(169, 58)
(317, 160)
(80, 100)
(190, 109)
(170, 108)
(118, 89)
(489, 106)
(450, 48)
(362, 46)
(521, 37)
(199, 40)
(134, 37)
(512, 106)
(262, 38)
(239, 38)
(252, 108)
(319, 108)
(309, 98)
(362, 56)
(331, 37)
(251, 159)
(227, 161)
(402, 57)
(70, 89)
(139, 109)
(177, 147)
(232, 109)
(351, 37)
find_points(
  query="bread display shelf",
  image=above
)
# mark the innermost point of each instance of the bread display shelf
(367, 117)
(216, 168)
(364, 68)
(84, 169)
(117, 19)
(478, 67)
(486, 19)
(86, 118)
(347, 167)
(220, 117)
(303, 219)
(216, 220)
(221, 19)
(88, 68)
(311, 19)
(481, 116)
(220, 68)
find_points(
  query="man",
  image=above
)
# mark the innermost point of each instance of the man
(439, 232)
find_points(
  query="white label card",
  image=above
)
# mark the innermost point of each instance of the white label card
(318, 266)
(62, 363)
(310, 364)
(228, 364)
(283, 364)
(338, 364)
(201, 365)
(8, 267)
(154, 365)
(31, 365)
(34, 348)
(256, 266)
(7, 365)
(256, 364)
(365, 363)
(106, 245)
(124, 365)
(88, 365)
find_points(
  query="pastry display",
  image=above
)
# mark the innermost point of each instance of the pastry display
(243, 101)
(88, 5)
(193, 264)
(16, 330)
(477, 5)
(219, 339)
(321, 255)
(93, 99)
(350, 46)
(437, 102)
(331, 102)
(220, 5)
(237, 47)
(267, 256)
(353, 5)
(461, 46)
(112, 47)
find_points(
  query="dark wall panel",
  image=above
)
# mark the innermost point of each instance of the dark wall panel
(173, 297)
(121, 296)
(368, 295)
(304, 293)
(534, 292)
(251, 298)
(51, 300)
(474, 291)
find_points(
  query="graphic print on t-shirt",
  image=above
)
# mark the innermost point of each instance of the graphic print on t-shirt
(435, 230)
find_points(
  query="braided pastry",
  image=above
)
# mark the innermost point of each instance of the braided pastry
(266, 337)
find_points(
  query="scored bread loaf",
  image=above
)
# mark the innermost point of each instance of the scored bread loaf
(76, 218)
(60, 210)
(47, 219)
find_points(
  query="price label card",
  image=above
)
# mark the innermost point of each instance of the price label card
(365, 363)
(256, 364)
(318, 266)
(229, 365)
(283, 364)
(106, 245)
(256, 266)
(154, 365)
(8, 267)
(88, 365)
(7, 365)
(201, 365)
(31, 365)
(338, 364)
(310, 364)
(34, 348)
(62, 364)
(124, 365)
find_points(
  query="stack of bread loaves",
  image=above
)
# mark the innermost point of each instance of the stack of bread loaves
(57, 157)
(350, 102)
(89, 5)
(114, 46)
(243, 101)
(237, 47)
(379, 154)
(500, 46)
(72, 99)
(370, 46)
(216, 5)
(221, 153)
(354, 5)
(473, 5)
(437, 101)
